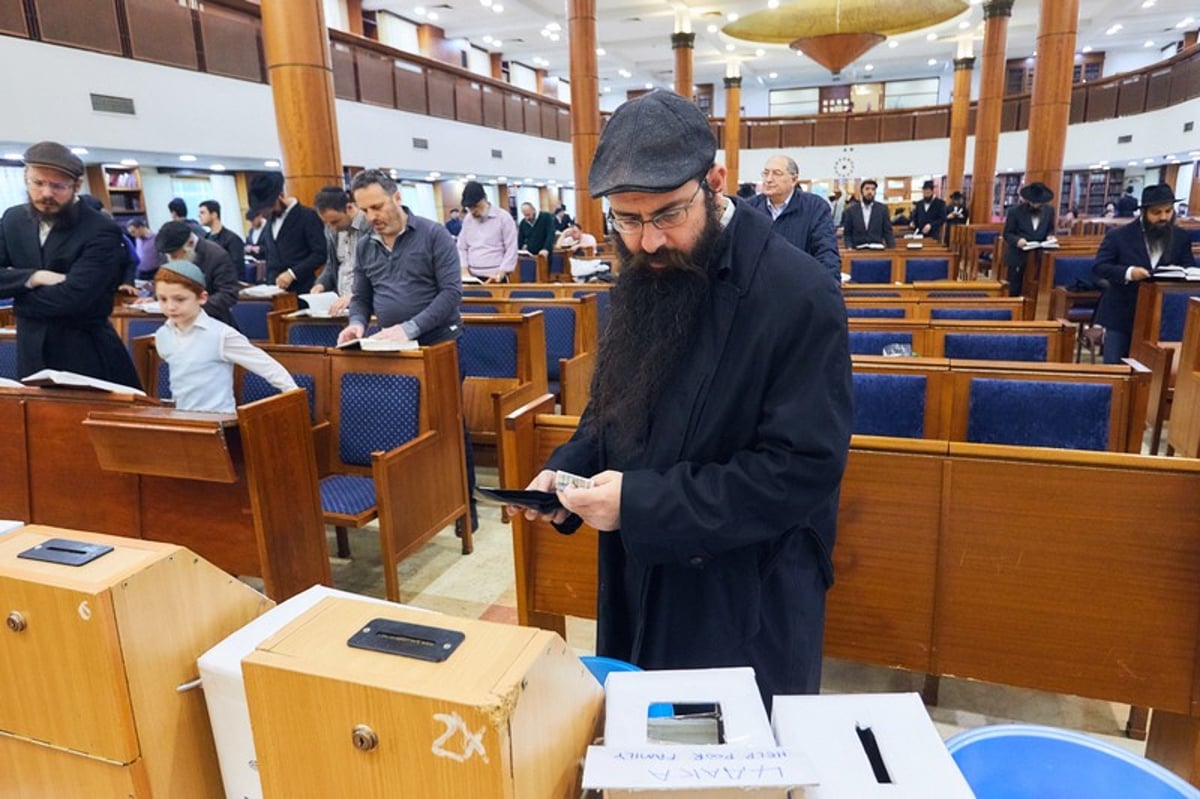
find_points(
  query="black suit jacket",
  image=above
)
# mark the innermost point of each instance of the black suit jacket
(1018, 224)
(537, 235)
(66, 326)
(934, 217)
(300, 246)
(856, 232)
(1122, 248)
(220, 280)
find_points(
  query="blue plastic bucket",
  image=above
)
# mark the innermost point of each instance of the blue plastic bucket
(1026, 761)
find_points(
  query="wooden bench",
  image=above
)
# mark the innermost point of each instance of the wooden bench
(561, 291)
(931, 262)
(927, 288)
(948, 338)
(1157, 334)
(1183, 434)
(934, 304)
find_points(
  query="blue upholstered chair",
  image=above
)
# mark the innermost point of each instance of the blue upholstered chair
(602, 298)
(1068, 269)
(560, 340)
(864, 342)
(984, 245)
(488, 351)
(996, 314)
(476, 293)
(995, 347)
(314, 334)
(889, 405)
(8, 357)
(251, 318)
(163, 379)
(136, 328)
(1039, 413)
(557, 264)
(877, 313)
(871, 270)
(531, 294)
(926, 269)
(527, 268)
(255, 388)
(1174, 312)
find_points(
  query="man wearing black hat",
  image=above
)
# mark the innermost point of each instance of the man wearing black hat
(177, 242)
(1028, 221)
(929, 214)
(719, 420)
(956, 214)
(294, 236)
(1126, 204)
(1130, 254)
(487, 243)
(61, 261)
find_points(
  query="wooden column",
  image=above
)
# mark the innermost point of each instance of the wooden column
(354, 11)
(960, 113)
(991, 97)
(301, 75)
(585, 110)
(733, 125)
(497, 60)
(684, 44)
(1050, 104)
(1194, 196)
(1170, 174)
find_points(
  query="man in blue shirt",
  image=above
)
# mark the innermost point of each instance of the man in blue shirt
(804, 219)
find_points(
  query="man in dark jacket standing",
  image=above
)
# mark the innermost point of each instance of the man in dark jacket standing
(177, 242)
(1126, 204)
(61, 261)
(1130, 254)
(929, 214)
(802, 218)
(536, 233)
(866, 223)
(293, 237)
(719, 421)
(1031, 220)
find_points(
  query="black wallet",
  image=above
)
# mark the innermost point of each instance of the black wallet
(540, 501)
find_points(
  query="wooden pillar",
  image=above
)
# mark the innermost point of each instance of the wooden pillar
(1170, 174)
(1194, 196)
(733, 125)
(1050, 104)
(991, 98)
(299, 69)
(502, 196)
(960, 115)
(585, 110)
(354, 11)
(684, 44)
(497, 66)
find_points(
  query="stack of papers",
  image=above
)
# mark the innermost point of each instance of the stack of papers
(319, 304)
(264, 290)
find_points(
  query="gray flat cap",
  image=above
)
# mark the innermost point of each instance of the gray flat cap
(53, 155)
(653, 144)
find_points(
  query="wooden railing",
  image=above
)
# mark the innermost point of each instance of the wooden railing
(224, 37)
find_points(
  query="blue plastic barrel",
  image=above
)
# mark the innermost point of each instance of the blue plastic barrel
(1026, 761)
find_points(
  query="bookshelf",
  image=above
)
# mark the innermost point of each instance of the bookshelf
(119, 188)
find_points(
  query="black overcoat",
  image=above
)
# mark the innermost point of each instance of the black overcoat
(1121, 249)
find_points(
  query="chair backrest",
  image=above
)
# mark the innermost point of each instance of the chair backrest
(1027, 761)
(889, 405)
(998, 314)
(377, 412)
(560, 336)
(163, 379)
(1174, 311)
(926, 269)
(995, 347)
(602, 298)
(488, 351)
(146, 327)
(1072, 268)
(255, 388)
(986, 236)
(476, 293)
(885, 313)
(558, 263)
(871, 270)
(531, 294)
(251, 318)
(315, 334)
(527, 268)
(1039, 413)
(473, 308)
(872, 343)
(8, 357)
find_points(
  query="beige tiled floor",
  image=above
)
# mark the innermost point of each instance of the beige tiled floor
(481, 585)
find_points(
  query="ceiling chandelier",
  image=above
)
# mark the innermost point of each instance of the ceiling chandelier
(835, 32)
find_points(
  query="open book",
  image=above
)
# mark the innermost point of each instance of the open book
(56, 377)
(372, 344)
(260, 291)
(874, 245)
(1175, 273)
(1049, 244)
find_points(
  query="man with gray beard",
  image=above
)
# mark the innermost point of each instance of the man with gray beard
(719, 421)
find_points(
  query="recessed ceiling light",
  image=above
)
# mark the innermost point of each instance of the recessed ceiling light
(931, 37)
(1087, 48)
(188, 158)
(649, 85)
(272, 164)
(79, 150)
(892, 43)
(434, 174)
(497, 43)
(554, 37)
(931, 62)
(601, 51)
(1149, 43)
(217, 167)
(433, 17)
(773, 75)
(470, 177)
(488, 39)
(553, 27)
(1147, 160)
(129, 162)
(607, 89)
(485, 3)
(419, 11)
(868, 67)
(712, 29)
(732, 17)
(760, 52)
(772, 4)
(962, 26)
(1183, 23)
(499, 9)
(729, 48)
(1148, 3)
(624, 73)
(1115, 28)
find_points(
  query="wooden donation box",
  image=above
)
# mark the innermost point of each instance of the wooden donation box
(355, 699)
(97, 665)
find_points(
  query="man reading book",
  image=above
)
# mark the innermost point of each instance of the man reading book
(1031, 220)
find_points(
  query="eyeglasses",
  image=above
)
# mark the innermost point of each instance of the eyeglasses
(663, 220)
(54, 185)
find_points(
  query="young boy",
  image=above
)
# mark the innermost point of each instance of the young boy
(200, 350)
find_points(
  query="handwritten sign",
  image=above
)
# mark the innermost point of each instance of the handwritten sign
(692, 767)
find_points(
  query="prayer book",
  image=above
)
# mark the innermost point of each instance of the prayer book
(1170, 272)
(1048, 244)
(372, 344)
(61, 379)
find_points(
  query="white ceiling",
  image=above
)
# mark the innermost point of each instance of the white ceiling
(635, 35)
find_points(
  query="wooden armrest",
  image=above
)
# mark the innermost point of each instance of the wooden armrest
(413, 492)
(322, 433)
(575, 381)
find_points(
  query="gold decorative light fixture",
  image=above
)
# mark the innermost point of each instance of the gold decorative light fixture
(835, 32)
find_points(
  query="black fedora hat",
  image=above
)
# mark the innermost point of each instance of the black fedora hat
(1036, 193)
(1158, 194)
(263, 193)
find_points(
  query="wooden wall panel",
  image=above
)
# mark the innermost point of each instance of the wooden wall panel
(718, 131)
(896, 127)
(533, 117)
(1102, 102)
(1158, 90)
(514, 112)
(468, 101)
(232, 44)
(831, 131)
(89, 24)
(12, 18)
(162, 33)
(440, 87)
(1131, 96)
(493, 107)
(345, 84)
(796, 134)
(564, 125)
(932, 125)
(375, 79)
(409, 80)
(971, 116)
(549, 121)
(1078, 104)
(1185, 80)
(1009, 115)
(764, 136)
(862, 129)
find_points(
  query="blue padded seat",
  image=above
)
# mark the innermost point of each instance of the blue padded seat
(560, 336)
(477, 293)
(136, 328)
(879, 313)
(998, 314)
(377, 412)
(164, 380)
(8, 358)
(1174, 312)
(255, 388)
(926, 269)
(1039, 413)
(997, 347)
(527, 268)
(251, 318)
(986, 236)
(871, 270)
(602, 306)
(952, 294)
(488, 351)
(314, 335)
(1069, 269)
(347, 494)
(889, 405)
(531, 294)
(557, 263)
(870, 343)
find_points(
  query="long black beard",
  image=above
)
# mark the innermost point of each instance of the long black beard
(1159, 233)
(66, 216)
(653, 319)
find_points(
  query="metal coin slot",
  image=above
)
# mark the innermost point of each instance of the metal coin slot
(66, 552)
(418, 641)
